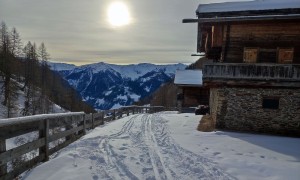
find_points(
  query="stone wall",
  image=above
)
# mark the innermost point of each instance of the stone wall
(241, 109)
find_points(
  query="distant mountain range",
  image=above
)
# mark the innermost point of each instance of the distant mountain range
(109, 86)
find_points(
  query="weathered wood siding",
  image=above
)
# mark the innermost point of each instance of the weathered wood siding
(267, 35)
(194, 96)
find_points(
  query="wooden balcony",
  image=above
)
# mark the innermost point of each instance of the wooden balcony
(271, 74)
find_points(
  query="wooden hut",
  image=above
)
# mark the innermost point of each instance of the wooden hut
(254, 79)
(191, 91)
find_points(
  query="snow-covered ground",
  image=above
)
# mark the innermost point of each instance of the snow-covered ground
(167, 146)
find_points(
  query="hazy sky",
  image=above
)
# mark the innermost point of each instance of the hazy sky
(78, 32)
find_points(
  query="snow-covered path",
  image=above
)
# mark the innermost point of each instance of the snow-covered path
(141, 149)
(167, 146)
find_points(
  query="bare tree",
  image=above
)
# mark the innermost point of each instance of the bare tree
(43, 57)
(31, 79)
(5, 61)
(10, 48)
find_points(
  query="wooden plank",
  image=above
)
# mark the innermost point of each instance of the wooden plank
(64, 133)
(20, 150)
(3, 168)
(64, 144)
(217, 35)
(114, 114)
(89, 126)
(93, 121)
(18, 129)
(22, 168)
(36, 118)
(84, 125)
(267, 35)
(98, 123)
(44, 133)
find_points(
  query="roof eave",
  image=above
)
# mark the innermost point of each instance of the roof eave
(242, 18)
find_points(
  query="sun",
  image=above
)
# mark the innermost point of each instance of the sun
(118, 14)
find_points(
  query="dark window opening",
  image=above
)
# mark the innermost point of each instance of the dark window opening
(270, 103)
(267, 56)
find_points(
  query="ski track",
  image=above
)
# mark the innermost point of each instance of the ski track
(144, 149)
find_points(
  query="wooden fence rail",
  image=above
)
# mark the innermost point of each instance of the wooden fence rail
(53, 132)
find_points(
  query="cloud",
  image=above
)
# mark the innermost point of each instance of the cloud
(77, 31)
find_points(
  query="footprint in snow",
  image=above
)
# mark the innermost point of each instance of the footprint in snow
(216, 153)
(122, 148)
(95, 177)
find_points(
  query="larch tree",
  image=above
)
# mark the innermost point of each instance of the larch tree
(30, 78)
(15, 50)
(43, 57)
(5, 61)
(10, 48)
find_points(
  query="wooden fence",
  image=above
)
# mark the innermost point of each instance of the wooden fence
(52, 132)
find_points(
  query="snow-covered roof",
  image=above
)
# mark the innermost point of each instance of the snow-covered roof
(188, 77)
(248, 5)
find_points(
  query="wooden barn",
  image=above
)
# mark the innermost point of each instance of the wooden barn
(254, 79)
(191, 91)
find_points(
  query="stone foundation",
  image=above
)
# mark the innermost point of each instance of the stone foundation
(241, 109)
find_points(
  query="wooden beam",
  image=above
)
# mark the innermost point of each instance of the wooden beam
(44, 134)
(242, 18)
(22, 168)
(20, 150)
(3, 167)
(227, 42)
(65, 133)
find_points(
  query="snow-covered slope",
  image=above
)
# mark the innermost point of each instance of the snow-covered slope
(19, 104)
(168, 146)
(106, 86)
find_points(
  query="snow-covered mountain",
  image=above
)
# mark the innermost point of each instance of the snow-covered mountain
(108, 86)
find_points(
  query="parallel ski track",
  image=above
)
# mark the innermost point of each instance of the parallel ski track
(150, 148)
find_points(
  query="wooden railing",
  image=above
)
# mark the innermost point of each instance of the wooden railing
(257, 71)
(52, 132)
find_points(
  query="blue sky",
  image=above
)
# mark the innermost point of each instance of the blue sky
(77, 31)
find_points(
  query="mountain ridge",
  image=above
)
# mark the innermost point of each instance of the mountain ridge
(107, 86)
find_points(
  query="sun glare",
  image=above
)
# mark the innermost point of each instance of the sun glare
(118, 14)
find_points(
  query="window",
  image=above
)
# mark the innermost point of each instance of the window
(285, 55)
(270, 103)
(267, 55)
(250, 55)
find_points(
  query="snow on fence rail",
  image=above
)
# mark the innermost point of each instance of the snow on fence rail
(63, 128)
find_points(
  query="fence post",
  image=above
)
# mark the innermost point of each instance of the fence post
(114, 114)
(68, 127)
(84, 124)
(127, 112)
(102, 117)
(93, 123)
(3, 168)
(44, 133)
